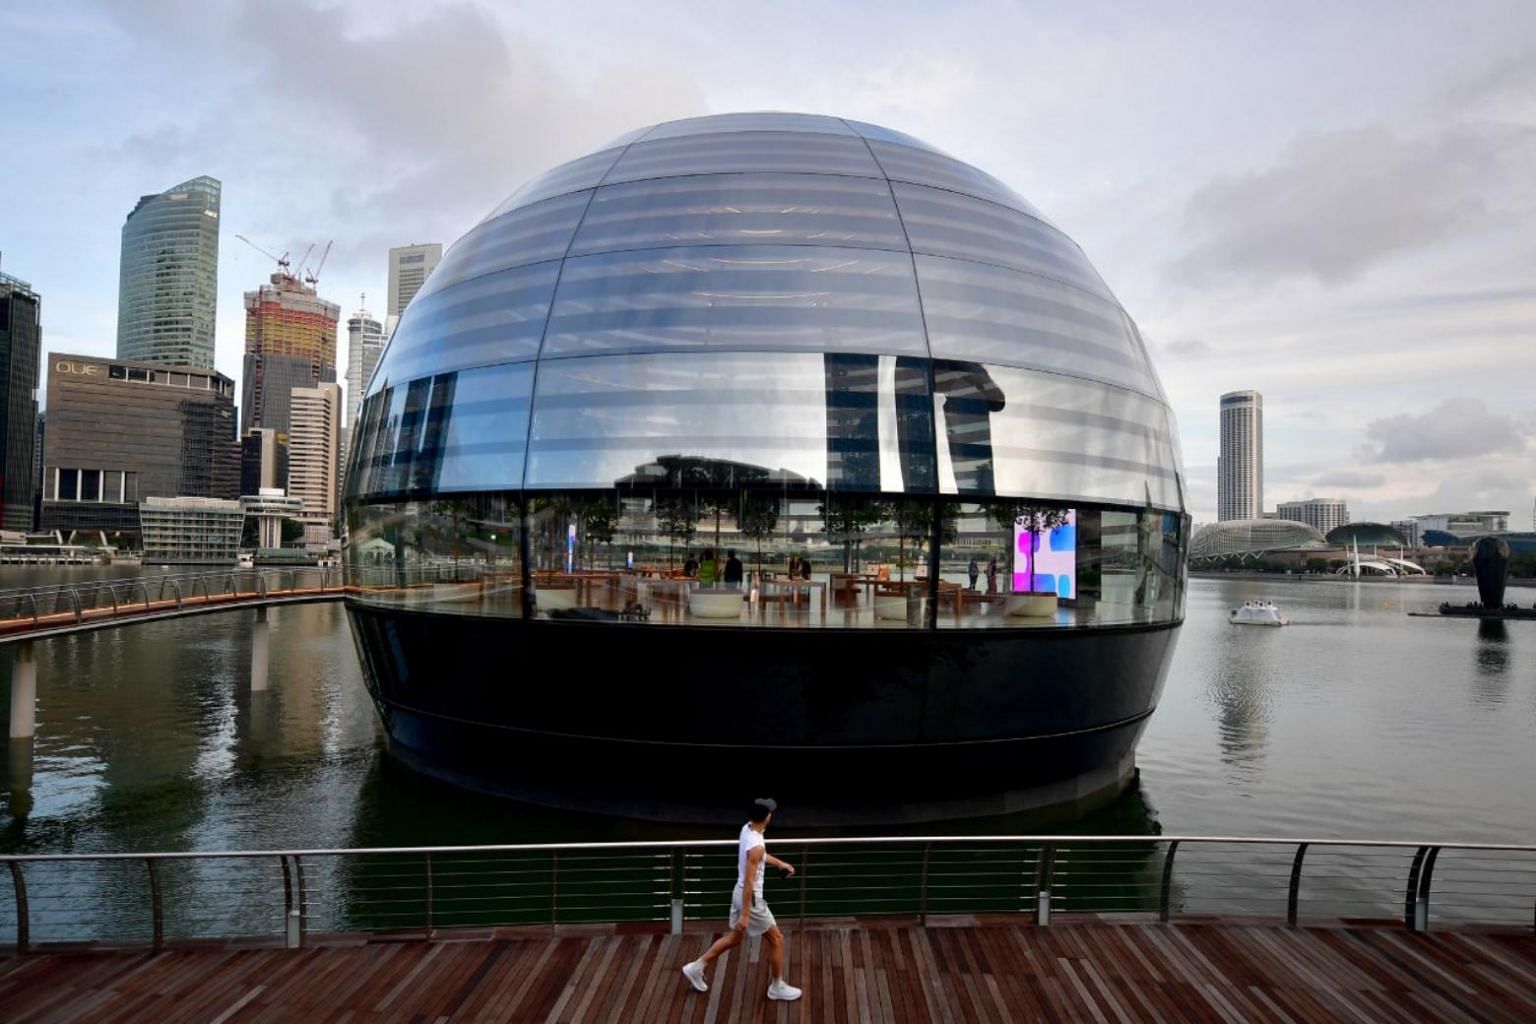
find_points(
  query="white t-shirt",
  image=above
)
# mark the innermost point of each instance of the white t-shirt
(750, 837)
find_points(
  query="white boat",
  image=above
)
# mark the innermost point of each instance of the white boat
(1257, 613)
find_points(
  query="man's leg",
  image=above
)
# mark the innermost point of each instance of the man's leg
(775, 952)
(730, 940)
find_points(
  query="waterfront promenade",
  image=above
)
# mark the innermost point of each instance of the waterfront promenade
(957, 970)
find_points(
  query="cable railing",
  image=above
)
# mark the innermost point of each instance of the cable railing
(64, 605)
(293, 896)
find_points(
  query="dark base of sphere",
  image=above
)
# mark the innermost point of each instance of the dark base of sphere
(689, 724)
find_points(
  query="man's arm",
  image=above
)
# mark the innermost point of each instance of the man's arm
(782, 865)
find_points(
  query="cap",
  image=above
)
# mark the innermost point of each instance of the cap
(768, 802)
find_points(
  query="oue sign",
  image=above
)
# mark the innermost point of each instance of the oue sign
(80, 369)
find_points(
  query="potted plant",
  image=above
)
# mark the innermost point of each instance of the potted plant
(1038, 520)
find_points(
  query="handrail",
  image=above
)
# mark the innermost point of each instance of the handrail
(955, 874)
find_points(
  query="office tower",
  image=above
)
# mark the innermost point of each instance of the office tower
(263, 461)
(168, 276)
(1240, 466)
(314, 446)
(20, 353)
(365, 342)
(122, 432)
(1323, 513)
(290, 341)
(409, 266)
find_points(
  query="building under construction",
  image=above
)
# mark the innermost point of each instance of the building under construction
(290, 341)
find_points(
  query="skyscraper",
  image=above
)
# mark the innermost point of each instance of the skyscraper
(20, 352)
(365, 341)
(409, 266)
(314, 446)
(168, 276)
(290, 341)
(1240, 466)
(1323, 513)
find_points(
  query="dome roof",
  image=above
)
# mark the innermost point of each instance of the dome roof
(1254, 536)
(801, 293)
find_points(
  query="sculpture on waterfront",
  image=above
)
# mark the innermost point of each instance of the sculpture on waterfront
(1490, 561)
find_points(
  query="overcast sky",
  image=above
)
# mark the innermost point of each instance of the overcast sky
(1333, 203)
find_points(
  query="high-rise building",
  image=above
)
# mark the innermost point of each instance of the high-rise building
(290, 341)
(263, 461)
(168, 276)
(1323, 513)
(365, 342)
(1240, 466)
(121, 432)
(20, 352)
(409, 266)
(314, 447)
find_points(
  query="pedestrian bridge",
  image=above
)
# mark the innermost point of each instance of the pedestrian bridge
(32, 613)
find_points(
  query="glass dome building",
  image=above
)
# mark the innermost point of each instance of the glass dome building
(773, 440)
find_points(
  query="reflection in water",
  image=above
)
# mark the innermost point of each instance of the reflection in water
(1491, 679)
(1239, 689)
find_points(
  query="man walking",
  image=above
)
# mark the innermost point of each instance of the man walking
(749, 911)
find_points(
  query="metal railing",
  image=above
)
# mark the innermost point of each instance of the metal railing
(290, 895)
(66, 605)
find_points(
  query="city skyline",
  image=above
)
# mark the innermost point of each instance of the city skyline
(1350, 250)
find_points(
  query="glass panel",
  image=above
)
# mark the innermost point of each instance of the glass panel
(742, 209)
(581, 173)
(1000, 316)
(532, 234)
(1066, 439)
(634, 420)
(462, 430)
(90, 485)
(799, 152)
(69, 484)
(451, 555)
(876, 132)
(928, 167)
(766, 298)
(497, 318)
(948, 224)
(758, 121)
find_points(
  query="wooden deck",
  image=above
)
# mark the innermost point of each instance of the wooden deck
(1095, 970)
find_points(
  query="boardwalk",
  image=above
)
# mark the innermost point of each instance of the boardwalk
(1094, 970)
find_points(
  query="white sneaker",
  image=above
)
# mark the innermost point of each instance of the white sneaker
(781, 989)
(694, 972)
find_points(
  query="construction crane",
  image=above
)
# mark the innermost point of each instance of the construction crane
(281, 261)
(300, 271)
(312, 279)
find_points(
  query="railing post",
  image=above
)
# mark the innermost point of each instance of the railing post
(805, 869)
(175, 585)
(1165, 901)
(23, 916)
(303, 900)
(1293, 896)
(1416, 906)
(429, 895)
(922, 891)
(74, 596)
(156, 907)
(33, 599)
(1045, 871)
(113, 591)
(675, 891)
(554, 888)
(290, 912)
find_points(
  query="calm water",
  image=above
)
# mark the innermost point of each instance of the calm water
(1356, 720)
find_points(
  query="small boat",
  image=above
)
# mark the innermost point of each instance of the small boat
(1257, 613)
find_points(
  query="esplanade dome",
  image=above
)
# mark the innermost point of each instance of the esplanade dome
(724, 285)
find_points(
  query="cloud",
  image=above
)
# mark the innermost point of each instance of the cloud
(1187, 347)
(1457, 428)
(1338, 203)
(1350, 478)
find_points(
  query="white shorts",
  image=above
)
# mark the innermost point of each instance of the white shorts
(761, 918)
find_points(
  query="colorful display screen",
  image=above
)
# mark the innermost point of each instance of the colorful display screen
(1052, 555)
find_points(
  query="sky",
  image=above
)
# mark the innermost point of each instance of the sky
(1332, 203)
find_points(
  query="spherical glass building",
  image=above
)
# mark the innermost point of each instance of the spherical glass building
(767, 443)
